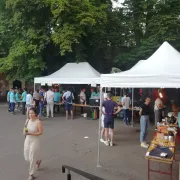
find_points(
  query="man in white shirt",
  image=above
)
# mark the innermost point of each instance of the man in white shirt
(67, 98)
(82, 99)
(49, 98)
(126, 101)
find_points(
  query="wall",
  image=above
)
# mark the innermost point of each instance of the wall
(4, 86)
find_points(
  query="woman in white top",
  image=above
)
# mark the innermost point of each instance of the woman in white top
(29, 101)
(33, 130)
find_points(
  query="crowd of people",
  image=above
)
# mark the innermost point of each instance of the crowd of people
(33, 105)
(23, 100)
(153, 106)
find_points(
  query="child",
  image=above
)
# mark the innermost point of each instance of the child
(41, 107)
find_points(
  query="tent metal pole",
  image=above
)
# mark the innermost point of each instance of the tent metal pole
(99, 129)
(132, 107)
(34, 87)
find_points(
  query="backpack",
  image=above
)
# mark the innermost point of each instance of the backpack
(69, 99)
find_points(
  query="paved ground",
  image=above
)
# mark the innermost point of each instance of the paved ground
(63, 143)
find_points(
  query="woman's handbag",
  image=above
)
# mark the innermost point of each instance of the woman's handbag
(25, 126)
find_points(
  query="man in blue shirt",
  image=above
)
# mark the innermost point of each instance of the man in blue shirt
(57, 97)
(93, 94)
(24, 94)
(8, 99)
(12, 101)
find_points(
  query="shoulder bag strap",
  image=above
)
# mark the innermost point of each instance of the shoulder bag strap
(26, 123)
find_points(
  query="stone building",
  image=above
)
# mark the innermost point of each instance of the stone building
(5, 85)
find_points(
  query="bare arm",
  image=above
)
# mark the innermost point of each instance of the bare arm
(40, 130)
(103, 112)
(118, 110)
(140, 112)
(63, 97)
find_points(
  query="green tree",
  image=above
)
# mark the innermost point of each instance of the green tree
(151, 23)
(35, 25)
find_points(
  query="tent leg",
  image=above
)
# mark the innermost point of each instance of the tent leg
(34, 87)
(99, 130)
(132, 107)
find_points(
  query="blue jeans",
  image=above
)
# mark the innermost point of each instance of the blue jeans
(41, 111)
(144, 123)
(12, 106)
(126, 115)
(9, 105)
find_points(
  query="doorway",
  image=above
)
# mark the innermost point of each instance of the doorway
(17, 84)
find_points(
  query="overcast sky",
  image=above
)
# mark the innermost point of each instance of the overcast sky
(118, 3)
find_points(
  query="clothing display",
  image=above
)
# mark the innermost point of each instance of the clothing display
(156, 152)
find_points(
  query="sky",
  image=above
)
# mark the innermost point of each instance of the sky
(117, 4)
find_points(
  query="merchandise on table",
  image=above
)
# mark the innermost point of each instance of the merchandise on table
(163, 144)
(161, 152)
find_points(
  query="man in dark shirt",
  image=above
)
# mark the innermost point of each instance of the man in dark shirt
(144, 121)
(109, 117)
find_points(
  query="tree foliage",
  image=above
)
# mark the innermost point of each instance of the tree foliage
(40, 36)
(33, 25)
(151, 23)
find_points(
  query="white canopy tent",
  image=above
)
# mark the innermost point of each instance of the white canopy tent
(138, 63)
(72, 73)
(159, 70)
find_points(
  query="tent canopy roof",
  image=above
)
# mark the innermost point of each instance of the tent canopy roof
(138, 63)
(72, 73)
(159, 70)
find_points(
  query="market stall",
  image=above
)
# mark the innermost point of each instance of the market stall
(160, 70)
(71, 73)
(163, 147)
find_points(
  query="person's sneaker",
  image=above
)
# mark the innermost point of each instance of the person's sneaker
(102, 140)
(144, 145)
(106, 143)
(47, 117)
(31, 177)
(111, 144)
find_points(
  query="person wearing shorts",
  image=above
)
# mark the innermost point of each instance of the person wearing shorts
(68, 97)
(109, 113)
